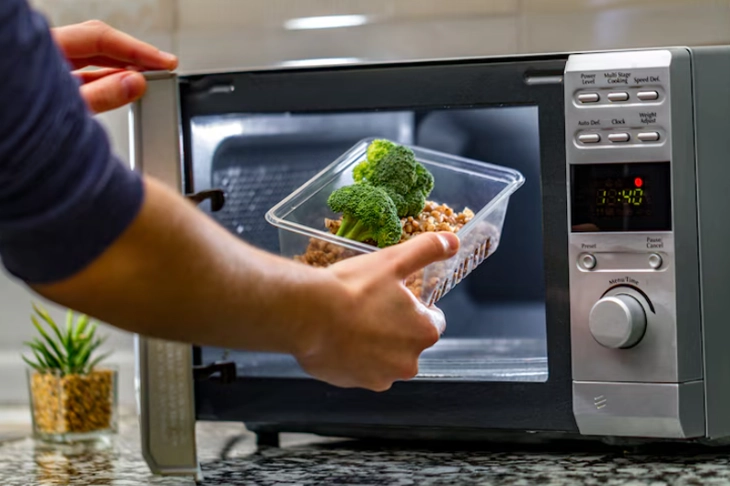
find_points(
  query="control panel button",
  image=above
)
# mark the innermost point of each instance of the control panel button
(588, 97)
(649, 136)
(617, 321)
(619, 137)
(619, 96)
(589, 138)
(647, 95)
(655, 261)
(588, 261)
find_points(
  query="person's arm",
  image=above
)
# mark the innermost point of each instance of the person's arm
(177, 275)
(88, 233)
(64, 196)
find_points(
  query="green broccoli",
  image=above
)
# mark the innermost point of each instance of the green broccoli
(396, 170)
(424, 180)
(375, 152)
(413, 203)
(409, 204)
(407, 182)
(368, 214)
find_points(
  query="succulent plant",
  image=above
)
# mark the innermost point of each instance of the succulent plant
(68, 351)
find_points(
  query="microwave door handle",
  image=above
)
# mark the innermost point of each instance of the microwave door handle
(217, 198)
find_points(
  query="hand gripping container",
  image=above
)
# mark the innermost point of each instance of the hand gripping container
(460, 183)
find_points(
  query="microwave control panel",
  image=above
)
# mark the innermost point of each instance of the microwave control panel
(621, 154)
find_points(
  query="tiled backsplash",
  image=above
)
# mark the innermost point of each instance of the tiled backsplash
(215, 34)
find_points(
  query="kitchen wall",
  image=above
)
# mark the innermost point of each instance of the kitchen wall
(215, 34)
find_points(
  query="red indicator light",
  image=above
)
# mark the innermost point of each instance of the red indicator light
(639, 182)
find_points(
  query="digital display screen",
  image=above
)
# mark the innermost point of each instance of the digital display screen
(621, 197)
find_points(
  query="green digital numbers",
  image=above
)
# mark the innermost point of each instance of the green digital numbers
(612, 197)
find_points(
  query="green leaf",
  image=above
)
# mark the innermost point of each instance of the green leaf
(87, 337)
(69, 349)
(46, 317)
(51, 361)
(67, 333)
(40, 359)
(81, 322)
(97, 360)
(94, 347)
(80, 349)
(91, 332)
(85, 353)
(50, 341)
(33, 365)
(69, 324)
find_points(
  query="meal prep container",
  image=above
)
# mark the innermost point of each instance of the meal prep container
(459, 183)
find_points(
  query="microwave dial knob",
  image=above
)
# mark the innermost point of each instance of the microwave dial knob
(618, 321)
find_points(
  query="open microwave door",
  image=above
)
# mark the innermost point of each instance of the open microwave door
(164, 378)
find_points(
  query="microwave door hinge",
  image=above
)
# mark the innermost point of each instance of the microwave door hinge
(225, 369)
(217, 198)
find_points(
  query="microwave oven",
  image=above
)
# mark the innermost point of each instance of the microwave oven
(601, 315)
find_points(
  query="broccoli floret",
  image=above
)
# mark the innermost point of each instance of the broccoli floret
(375, 152)
(368, 214)
(424, 180)
(378, 148)
(407, 181)
(410, 204)
(361, 171)
(394, 168)
(413, 203)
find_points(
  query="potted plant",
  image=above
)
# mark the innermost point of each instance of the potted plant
(72, 398)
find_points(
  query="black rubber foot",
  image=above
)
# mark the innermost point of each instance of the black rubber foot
(267, 439)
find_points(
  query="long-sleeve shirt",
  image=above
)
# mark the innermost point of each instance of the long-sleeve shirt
(64, 197)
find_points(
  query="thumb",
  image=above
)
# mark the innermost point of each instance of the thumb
(113, 91)
(407, 258)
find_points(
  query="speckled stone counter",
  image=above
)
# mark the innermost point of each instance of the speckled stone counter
(229, 456)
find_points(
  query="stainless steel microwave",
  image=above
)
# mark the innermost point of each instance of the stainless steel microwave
(602, 314)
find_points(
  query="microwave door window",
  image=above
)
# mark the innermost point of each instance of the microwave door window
(496, 316)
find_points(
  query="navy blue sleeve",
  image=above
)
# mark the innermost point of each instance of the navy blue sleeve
(64, 197)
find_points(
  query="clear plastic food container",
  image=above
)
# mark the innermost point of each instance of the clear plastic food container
(460, 183)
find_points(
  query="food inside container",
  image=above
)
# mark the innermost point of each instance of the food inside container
(464, 196)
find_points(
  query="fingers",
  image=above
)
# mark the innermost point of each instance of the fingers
(95, 40)
(438, 320)
(101, 61)
(89, 76)
(113, 91)
(411, 256)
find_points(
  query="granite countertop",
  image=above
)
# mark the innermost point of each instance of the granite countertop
(229, 456)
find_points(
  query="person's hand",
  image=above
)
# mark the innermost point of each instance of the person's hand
(121, 56)
(377, 330)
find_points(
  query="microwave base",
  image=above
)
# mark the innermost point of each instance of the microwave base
(268, 435)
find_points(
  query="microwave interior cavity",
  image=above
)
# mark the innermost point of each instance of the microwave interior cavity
(496, 318)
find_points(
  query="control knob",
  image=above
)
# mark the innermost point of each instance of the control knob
(617, 321)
